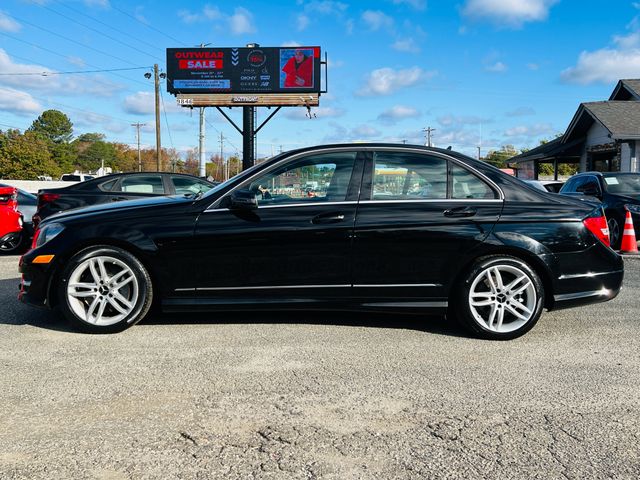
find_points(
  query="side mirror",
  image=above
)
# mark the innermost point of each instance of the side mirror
(242, 200)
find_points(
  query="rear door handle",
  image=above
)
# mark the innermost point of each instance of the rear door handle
(460, 212)
(324, 218)
(119, 199)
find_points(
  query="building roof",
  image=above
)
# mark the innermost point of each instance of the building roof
(547, 151)
(620, 118)
(627, 89)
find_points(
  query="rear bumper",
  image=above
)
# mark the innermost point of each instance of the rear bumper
(592, 276)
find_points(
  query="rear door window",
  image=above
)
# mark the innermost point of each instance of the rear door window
(465, 184)
(186, 185)
(151, 184)
(408, 176)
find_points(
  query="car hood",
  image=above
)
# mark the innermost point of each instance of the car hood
(100, 209)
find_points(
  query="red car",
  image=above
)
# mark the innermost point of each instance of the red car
(10, 220)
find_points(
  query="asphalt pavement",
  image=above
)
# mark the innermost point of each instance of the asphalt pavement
(320, 395)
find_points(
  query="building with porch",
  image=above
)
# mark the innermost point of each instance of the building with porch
(602, 136)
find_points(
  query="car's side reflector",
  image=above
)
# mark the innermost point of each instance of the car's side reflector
(43, 259)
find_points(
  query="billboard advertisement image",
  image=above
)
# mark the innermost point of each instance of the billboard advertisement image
(268, 70)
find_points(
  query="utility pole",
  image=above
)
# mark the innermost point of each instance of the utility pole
(203, 159)
(156, 79)
(428, 131)
(479, 152)
(222, 160)
(138, 125)
(203, 170)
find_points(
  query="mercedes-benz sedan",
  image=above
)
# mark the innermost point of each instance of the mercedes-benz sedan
(359, 226)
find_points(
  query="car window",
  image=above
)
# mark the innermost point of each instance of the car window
(407, 176)
(186, 185)
(70, 178)
(588, 183)
(108, 186)
(465, 184)
(143, 184)
(623, 184)
(315, 178)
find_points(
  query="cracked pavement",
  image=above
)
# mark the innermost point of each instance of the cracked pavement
(320, 396)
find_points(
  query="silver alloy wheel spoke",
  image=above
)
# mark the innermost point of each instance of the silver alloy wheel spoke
(103, 290)
(502, 298)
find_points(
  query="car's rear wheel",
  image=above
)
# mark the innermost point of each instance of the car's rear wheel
(501, 297)
(615, 236)
(12, 243)
(104, 290)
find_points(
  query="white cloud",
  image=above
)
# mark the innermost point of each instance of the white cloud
(603, 66)
(241, 22)
(417, 4)
(212, 13)
(521, 112)
(291, 43)
(365, 131)
(16, 101)
(8, 24)
(406, 45)
(527, 131)
(77, 61)
(326, 7)
(342, 134)
(460, 120)
(533, 66)
(376, 20)
(512, 13)
(97, 3)
(143, 103)
(385, 81)
(396, 113)
(302, 22)
(497, 67)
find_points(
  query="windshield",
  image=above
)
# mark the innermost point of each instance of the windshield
(623, 184)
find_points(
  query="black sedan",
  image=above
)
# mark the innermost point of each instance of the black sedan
(115, 188)
(617, 192)
(366, 226)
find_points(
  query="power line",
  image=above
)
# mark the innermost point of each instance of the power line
(63, 56)
(97, 31)
(166, 120)
(51, 32)
(147, 25)
(46, 74)
(122, 32)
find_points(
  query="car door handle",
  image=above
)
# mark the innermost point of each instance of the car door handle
(119, 199)
(460, 212)
(327, 218)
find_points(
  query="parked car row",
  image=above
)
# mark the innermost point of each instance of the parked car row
(388, 228)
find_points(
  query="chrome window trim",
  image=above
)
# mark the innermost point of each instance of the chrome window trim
(438, 200)
(355, 148)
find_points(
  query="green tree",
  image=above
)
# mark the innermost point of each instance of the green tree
(25, 156)
(54, 126)
(500, 157)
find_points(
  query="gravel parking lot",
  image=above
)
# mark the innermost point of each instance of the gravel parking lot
(331, 396)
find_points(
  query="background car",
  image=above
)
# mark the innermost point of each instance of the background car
(115, 188)
(617, 192)
(27, 206)
(10, 221)
(552, 186)
(389, 228)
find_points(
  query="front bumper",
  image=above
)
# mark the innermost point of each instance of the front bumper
(35, 283)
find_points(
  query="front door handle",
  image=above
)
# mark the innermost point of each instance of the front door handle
(324, 218)
(460, 212)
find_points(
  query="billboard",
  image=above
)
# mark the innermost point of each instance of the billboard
(241, 71)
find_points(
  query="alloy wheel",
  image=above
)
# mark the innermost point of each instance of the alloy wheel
(102, 290)
(502, 298)
(614, 231)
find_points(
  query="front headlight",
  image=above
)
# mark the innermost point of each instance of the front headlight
(633, 208)
(48, 232)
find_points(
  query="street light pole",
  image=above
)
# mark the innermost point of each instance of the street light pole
(138, 125)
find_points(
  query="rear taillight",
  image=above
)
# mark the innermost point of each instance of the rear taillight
(45, 198)
(597, 224)
(35, 238)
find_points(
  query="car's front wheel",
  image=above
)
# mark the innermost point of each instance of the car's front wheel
(500, 297)
(105, 289)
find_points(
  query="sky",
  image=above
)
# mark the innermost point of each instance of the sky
(479, 72)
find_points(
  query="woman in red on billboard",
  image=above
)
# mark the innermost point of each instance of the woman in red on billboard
(298, 70)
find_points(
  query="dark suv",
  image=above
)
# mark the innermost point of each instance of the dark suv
(616, 191)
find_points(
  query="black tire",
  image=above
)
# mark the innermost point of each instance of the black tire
(140, 283)
(475, 320)
(15, 245)
(616, 226)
